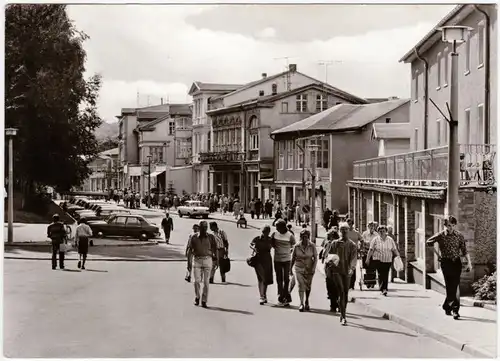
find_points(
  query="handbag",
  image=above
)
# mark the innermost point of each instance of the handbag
(225, 265)
(252, 260)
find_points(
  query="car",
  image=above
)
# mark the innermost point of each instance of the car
(193, 209)
(104, 213)
(125, 225)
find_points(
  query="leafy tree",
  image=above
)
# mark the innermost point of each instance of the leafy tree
(47, 97)
(107, 144)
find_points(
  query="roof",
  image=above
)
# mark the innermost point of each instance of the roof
(113, 151)
(200, 86)
(343, 117)
(268, 100)
(156, 110)
(180, 109)
(339, 92)
(452, 18)
(391, 131)
(152, 123)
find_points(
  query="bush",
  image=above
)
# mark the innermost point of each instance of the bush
(486, 288)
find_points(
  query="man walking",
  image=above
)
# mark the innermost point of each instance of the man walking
(168, 226)
(203, 249)
(189, 256)
(222, 251)
(56, 231)
(451, 246)
(354, 236)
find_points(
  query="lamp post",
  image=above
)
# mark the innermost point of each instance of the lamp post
(148, 201)
(454, 35)
(11, 133)
(166, 144)
(313, 149)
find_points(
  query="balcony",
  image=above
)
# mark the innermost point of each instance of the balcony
(221, 157)
(429, 168)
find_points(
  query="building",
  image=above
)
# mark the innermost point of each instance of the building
(343, 134)
(408, 190)
(104, 172)
(241, 156)
(163, 132)
(392, 138)
(202, 93)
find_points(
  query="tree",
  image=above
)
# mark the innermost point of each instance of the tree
(107, 144)
(47, 97)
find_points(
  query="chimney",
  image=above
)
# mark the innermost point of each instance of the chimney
(292, 67)
(274, 88)
(261, 93)
(264, 75)
(161, 101)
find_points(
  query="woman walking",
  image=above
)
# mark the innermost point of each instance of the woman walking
(282, 242)
(304, 258)
(383, 249)
(261, 245)
(83, 232)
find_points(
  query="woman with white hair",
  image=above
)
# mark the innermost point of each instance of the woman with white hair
(304, 258)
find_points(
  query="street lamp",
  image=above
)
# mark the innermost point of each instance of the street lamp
(149, 181)
(166, 145)
(11, 133)
(313, 148)
(454, 35)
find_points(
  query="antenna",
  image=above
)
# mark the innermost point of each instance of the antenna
(326, 64)
(288, 80)
(138, 105)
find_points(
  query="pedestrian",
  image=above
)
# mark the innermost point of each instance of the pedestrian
(236, 208)
(261, 245)
(189, 256)
(277, 216)
(331, 290)
(383, 249)
(203, 249)
(452, 247)
(290, 228)
(167, 224)
(82, 234)
(222, 251)
(340, 264)
(282, 241)
(304, 258)
(356, 237)
(252, 208)
(56, 231)
(258, 207)
(370, 270)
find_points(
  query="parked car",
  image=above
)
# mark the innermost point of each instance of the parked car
(104, 213)
(125, 225)
(193, 209)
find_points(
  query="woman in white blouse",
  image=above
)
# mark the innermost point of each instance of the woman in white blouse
(383, 250)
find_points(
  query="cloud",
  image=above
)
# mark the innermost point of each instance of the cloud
(158, 51)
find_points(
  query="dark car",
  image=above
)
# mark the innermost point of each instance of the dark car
(125, 225)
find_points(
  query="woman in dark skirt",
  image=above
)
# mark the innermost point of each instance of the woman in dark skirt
(83, 232)
(264, 264)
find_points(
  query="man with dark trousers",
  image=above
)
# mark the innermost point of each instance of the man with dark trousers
(168, 226)
(56, 231)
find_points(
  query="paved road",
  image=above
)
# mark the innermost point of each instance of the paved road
(144, 309)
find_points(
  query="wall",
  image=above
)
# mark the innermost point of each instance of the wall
(471, 88)
(156, 138)
(397, 146)
(132, 155)
(182, 178)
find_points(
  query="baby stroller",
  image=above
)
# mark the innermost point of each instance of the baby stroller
(368, 273)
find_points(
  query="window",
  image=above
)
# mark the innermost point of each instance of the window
(480, 44)
(321, 102)
(254, 122)
(419, 236)
(322, 153)
(301, 103)
(289, 150)
(337, 103)
(390, 216)
(183, 148)
(300, 159)
(254, 141)
(438, 132)
(369, 210)
(284, 107)
(415, 87)
(415, 139)
(120, 221)
(325, 151)
(209, 136)
(446, 62)
(171, 128)
(156, 154)
(182, 123)
(132, 221)
(467, 136)
(438, 64)
(281, 156)
(480, 124)
(467, 56)
(387, 120)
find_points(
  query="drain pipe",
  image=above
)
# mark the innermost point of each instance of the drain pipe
(426, 97)
(486, 138)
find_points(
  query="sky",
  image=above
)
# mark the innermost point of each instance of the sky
(158, 51)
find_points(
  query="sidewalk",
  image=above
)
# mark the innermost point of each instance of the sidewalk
(420, 310)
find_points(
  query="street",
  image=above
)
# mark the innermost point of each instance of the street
(145, 309)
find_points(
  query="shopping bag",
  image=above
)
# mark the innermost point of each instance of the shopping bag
(225, 265)
(291, 284)
(63, 248)
(398, 264)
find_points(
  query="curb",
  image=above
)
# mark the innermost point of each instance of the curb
(489, 305)
(36, 245)
(100, 259)
(450, 341)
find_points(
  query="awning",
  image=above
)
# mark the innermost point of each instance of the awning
(157, 173)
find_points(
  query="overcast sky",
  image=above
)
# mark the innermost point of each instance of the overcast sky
(159, 50)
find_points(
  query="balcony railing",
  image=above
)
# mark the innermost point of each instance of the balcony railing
(221, 157)
(429, 167)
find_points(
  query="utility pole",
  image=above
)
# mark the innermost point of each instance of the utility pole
(149, 182)
(453, 146)
(313, 148)
(11, 133)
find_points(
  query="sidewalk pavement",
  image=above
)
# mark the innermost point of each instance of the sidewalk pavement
(420, 310)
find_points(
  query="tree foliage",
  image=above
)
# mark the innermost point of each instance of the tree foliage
(107, 144)
(48, 98)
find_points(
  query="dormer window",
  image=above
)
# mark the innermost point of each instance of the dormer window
(301, 101)
(321, 102)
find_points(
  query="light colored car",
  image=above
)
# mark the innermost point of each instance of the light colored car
(193, 209)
